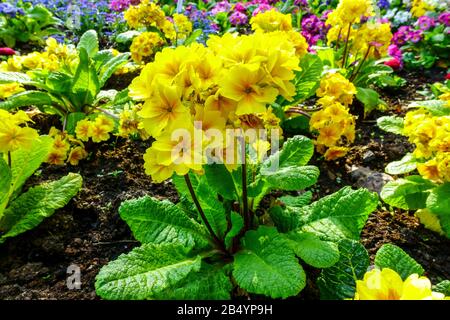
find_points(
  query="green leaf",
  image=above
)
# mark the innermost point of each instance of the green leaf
(59, 81)
(392, 124)
(308, 78)
(298, 201)
(443, 287)
(5, 183)
(267, 266)
(210, 283)
(26, 99)
(111, 66)
(237, 223)
(339, 281)
(437, 108)
(8, 77)
(72, 120)
(340, 215)
(193, 37)
(410, 193)
(368, 97)
(85, 85)
(127, 36)
(439, 203)
(29, 209)
(145, 272)
(25, 162)
(220, 179)
(296, 151)
(291, 178)
(285, 219)
(312, 250)
(155, 221)
(89, 42)
(392, 257)
(405, 165)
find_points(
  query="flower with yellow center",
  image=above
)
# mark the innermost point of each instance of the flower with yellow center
(56, 157)
(9, 89)
(271, 20)
(100, 132)
(334, 153)
(13, 137)
(77, 154)
(244, 86)
(429, 170)
(337, 86)
(386, 284)
(105, 121)
(329, 135)
(83, 129)
(163, 109)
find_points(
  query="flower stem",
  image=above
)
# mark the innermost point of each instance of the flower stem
(353, 76)
(9, 159)
(344, 59)
(202, 214)
(246, 212)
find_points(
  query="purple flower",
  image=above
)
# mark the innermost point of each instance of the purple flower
(402, 35)
(223, 6)
(262, 8)
(312, 24)
(240, 7)
(238, 18)
(395, 52)
(415, 36)
(444, 18)
(425, 23)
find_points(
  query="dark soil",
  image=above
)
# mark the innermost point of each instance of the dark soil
(89, 233)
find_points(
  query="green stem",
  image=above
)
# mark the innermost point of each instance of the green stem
(344, 59)
(353, 76)
(9, 159)
(246, 212)
(202, 214)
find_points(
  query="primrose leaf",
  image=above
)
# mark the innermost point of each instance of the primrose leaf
(392, 257)
(410, 193)
(85, 83)
(339, 281)
(145, 272)
(266, 265)
(237, 223)
(298, 201)
(405, 165)
(26, 99)
(340, 215)
(291, 178)
(5, 182)
(220, 179)
(111, 66)
(25, 162)
(308, 78)
(437, 108)
(392, 124)
(312, 250)
(439, 203)
(210, 283)
(40, 202)
(89, 42)
(443, 287)
(19, 77)
(155, 221)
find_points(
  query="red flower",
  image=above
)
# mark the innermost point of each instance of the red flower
(447, 76)
(7, 52)
(394, 63)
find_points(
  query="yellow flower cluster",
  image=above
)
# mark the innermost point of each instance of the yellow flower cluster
(13, 135)
(370, 39)
(65, 148)
(9, 89)
(130, 123)
(183, 26)
(420, 7)
(144, 45)
(98, 129)
(431, 136)
(386, 284)
(227, 84)
(145, 14)
(274, 21)
(53, 58)
(334, 122)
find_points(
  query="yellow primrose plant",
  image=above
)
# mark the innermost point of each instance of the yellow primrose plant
(22, 151)
(209, 110)
(427, 126)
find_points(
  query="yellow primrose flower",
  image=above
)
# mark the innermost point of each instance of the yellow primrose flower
(60, 144)
(145, 45)
(182, 24)
(100, 132)
(244, 86)
(77, 154)
(337, 86)
(334, 153)
(105, 121)
(271, 20)
(386, 284)
(13, 137)
(329, 135)
(429, 170)
(56, 157)
(9, 89)
(84, 130)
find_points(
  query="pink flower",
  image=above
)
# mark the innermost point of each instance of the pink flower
(238, 18)
(7, 52)
(240, 7)
(394, 63)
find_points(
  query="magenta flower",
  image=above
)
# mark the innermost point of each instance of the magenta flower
(415, 36)
(240, 7)
(444, 18)
(425, 23)
(7, 52)
(238, 18)
(262, 8)
(223, 6)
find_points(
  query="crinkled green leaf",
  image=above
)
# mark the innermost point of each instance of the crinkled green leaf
(5, 182)
(438, 203)
(437, 108)
(85, 84)
(266, 265)
(89, 42)
(210, 283)
(111, 66)
(40, 202)
(220, 179)
(19, 77)
(308, 78)
(297, 201)
(339, 281)
(155, 221)
(340, 215)
(312, 250)
(392, 124)
(145, 272)
(26, 99)
(410, 193)
(443, 287)
(237, 223)
(405, 165)
(291, 178)
(393, 257)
